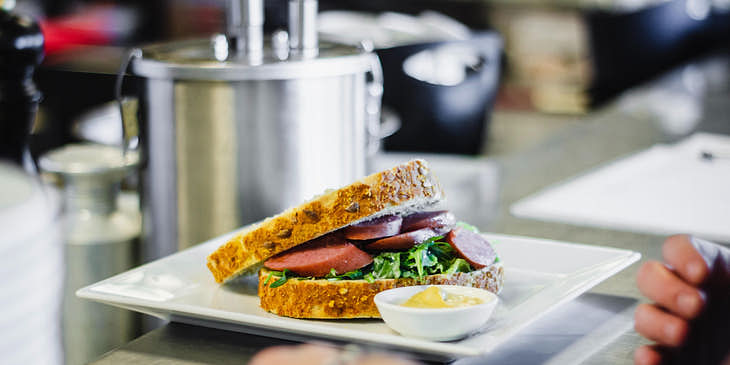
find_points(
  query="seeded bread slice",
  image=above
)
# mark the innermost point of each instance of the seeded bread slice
(324, 299)
(404, 188)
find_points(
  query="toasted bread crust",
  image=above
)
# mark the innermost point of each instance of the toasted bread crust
(323, 299)
(409, 183)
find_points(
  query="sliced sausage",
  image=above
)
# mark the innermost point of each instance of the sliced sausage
(402, 241)
(386, 226)
(317, 257)
(441, 221)
(472, 247)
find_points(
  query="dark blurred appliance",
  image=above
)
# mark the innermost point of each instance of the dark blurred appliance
(440, 77)
(237, 127)
(21, 50)
(443, 92)
(631, 47)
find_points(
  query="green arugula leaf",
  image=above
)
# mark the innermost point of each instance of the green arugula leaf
(387, 265)
(416, 257)
(268, 278)
(443, 251)
(433, 239)
(281, 280)
(410, 274)
(436, 269)
(350, 275)
(369, 277)
(459, 265)
(423, 258)
(331, 274)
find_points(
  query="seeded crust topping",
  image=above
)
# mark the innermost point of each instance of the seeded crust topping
(406, 186)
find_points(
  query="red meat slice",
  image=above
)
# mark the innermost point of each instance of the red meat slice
(402, 241)
(317, 257)
(440, 221)
(386, 226)
(472, 247)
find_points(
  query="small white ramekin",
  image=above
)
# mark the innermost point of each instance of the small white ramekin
(439, 324)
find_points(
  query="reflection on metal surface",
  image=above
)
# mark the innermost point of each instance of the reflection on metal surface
(220, 47)
(206, 150)
(233, 153)
(698, 9)
(447, 65)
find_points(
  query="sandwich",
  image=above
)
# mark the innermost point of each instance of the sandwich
(328, 257)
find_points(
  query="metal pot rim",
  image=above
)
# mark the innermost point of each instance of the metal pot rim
(157, 62)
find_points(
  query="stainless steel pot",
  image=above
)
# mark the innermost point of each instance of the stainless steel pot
(233, 133)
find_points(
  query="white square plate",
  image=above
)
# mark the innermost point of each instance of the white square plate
(539, 275)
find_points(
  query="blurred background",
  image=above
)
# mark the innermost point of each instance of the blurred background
(156, 150)
(560, 57)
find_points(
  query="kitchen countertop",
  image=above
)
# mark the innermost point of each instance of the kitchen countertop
(532, 151)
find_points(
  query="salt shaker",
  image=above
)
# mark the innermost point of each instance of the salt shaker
(101, 240)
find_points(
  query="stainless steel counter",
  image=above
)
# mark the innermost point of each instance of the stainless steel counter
(532, 152)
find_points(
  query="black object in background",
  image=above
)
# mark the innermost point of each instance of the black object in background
(442, 118)
(72, 84)
(21, 50)
(470, 13)
(633, 47)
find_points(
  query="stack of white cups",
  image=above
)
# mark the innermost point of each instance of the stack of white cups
(31, 270)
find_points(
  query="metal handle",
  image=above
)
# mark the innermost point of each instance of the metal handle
(130, 141)
(377, 127)
(245, 26)
(303, 27)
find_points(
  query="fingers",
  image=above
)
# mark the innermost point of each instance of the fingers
(307, 354)
(317, 354)
(660, 326)
(647, 355)
(679, 252)
(384, 358)
(661, 285)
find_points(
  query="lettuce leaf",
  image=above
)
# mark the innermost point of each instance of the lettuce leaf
(430, 257)
(459, 265)
(350, 275)
(387, 265)
(282, 280)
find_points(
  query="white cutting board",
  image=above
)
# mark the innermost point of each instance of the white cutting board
(665, 189)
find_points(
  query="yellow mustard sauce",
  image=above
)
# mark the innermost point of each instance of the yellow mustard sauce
(433, 298)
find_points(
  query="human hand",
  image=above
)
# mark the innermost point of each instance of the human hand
(321, 354)
(682, 302)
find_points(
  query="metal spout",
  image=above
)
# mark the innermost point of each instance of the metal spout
(303, 27)
(245, 26)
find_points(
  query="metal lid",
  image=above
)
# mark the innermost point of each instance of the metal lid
(81, 160)
(211, 59)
